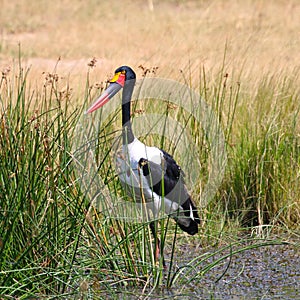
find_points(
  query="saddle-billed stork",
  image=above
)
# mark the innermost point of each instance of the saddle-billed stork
(160, 176)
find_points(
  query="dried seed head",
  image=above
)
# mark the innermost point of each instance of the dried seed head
(5, 72)
(99, 85)
(92, 63)
(146, 70)
(50, 78)
(65, 94)
(139, 111)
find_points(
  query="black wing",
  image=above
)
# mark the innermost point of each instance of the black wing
(172, 177)
(172, 169)
(167, 179)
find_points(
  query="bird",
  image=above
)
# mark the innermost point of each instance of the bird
(151, 173)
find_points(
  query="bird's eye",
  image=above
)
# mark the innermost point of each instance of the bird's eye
(123, 72)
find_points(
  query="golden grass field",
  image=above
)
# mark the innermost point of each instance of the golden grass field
(260, 37)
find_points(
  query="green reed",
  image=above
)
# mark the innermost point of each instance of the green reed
(56, 239)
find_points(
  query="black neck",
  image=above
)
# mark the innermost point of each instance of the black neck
(128, 136)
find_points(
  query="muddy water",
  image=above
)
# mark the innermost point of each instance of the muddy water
(268, 272)
(271, 272)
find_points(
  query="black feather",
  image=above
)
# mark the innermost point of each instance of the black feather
(172, 187)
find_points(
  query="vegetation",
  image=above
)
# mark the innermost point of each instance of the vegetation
(53, 241)
(56, 237)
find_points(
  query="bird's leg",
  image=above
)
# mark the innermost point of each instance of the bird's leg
(158, 249)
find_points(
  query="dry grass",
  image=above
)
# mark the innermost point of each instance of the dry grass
(261, 36)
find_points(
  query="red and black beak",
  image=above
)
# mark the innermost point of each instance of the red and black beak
(116, 84)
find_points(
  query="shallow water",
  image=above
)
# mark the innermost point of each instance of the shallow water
(269, 272)
(257, 272)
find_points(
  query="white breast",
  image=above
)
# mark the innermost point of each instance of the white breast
(127, 167)
(137, 150)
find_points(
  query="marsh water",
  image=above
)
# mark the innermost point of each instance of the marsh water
(268, 272)
(271, 272)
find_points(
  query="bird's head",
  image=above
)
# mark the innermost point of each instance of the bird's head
(123, 76)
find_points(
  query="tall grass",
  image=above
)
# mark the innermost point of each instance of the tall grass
(54, 242)
(262, 183)
(42, 212)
